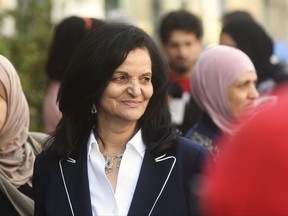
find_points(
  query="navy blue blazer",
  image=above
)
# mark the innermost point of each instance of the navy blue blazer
(205, 132)
(164, 187)
(206, 127)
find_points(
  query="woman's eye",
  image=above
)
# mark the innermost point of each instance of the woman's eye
(243, 85)
(120, 79)
(146, 79)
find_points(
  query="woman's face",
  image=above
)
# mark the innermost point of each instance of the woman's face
(130, 89)
(242, 94)
(3, 112)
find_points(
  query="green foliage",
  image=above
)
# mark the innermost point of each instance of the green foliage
(28, 49)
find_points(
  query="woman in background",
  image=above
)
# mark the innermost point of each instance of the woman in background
(252, 39)
(250, 176)
(67, 36)
(224, 86)
(17, 146)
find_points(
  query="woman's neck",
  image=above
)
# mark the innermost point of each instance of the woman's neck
(112, 140)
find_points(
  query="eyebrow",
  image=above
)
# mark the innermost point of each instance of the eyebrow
(126, 73)
(240, 82)
(247, 80)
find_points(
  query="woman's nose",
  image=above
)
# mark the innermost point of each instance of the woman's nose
(134, 88)
(254, 94)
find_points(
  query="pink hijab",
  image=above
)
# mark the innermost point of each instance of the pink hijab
(215, 70)
(16, 155)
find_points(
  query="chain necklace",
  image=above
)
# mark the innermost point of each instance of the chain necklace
(109, 160)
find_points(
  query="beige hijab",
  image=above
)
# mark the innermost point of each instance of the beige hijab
(16, 154)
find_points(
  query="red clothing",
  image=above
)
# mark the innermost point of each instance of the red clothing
(183, 82)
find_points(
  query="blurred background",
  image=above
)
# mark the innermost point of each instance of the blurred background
(26, 28)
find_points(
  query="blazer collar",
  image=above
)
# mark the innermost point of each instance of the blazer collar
(75, 180)
(154, 175)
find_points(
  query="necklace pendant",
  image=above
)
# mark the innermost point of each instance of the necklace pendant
(108, 164)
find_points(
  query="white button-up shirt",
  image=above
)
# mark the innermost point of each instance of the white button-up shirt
(103, 200)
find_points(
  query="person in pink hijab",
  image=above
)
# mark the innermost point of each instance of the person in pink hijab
(250, 176)
(18, 147)
(223, 84)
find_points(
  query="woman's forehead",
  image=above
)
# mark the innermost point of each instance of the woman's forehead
(247, 76)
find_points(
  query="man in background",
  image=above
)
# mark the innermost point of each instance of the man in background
(181, 37)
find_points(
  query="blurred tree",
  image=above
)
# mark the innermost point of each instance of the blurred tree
(27, 49)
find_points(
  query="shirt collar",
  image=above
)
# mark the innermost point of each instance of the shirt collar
(136, 142)
(92, 140)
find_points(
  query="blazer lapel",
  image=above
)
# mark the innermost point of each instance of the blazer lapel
(75, 180)
(155, 173)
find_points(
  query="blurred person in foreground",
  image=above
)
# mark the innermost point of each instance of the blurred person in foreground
(18, 147)
(181, 35)
(224, 86)
(250, 176)
(115, 150)
(66, 37)
(251, 38)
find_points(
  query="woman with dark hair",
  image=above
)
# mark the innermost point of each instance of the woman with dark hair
(67, 36)
(252, 39)
(115, 150)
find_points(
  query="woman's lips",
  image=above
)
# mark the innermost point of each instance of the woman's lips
(132, 104)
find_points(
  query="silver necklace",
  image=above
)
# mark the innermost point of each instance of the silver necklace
(109, 162)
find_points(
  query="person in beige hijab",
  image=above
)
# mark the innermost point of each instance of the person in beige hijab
(18, 147)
